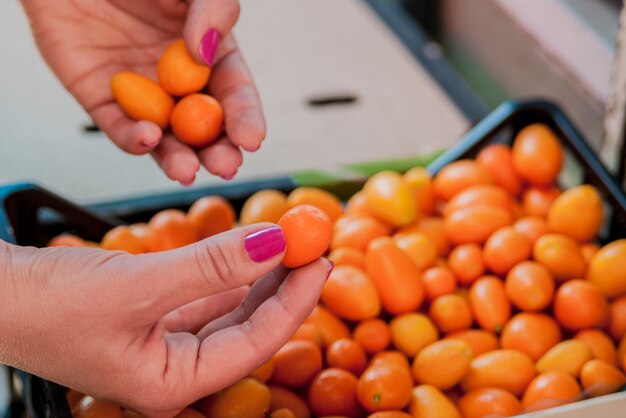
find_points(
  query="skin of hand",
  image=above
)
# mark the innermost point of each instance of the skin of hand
(153, 332)
(85, 42)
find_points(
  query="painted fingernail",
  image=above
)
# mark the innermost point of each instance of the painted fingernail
(331, 266)
(208, 46)
(264, 244)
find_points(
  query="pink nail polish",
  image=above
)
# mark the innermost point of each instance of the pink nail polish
(208, 46)
(331, 267)
(264, 244)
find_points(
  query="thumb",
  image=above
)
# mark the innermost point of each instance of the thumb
(214, 265)
(208, 22)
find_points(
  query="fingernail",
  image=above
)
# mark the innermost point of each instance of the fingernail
(331, 266)
(208, 46)
(264, 244)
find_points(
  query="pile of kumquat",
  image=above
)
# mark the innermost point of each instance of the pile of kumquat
(479, 292)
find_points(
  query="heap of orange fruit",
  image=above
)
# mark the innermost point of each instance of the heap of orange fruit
(481, 291)
(196, 119)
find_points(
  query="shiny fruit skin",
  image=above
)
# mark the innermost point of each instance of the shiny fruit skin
(170, 229)
(308, 231)
(617, 317)
(601, 345)
(347, 355)
(179, 74)
(488, 402)
(384, 386)
(330, 327)
(351, 294)
(481, 341)
(285, 398)
(434, 227)
(247, 398)
(510, 370)
(537, 155)
(476, 223)
(536, 201)
(263, 206)
(466, 262)
(532, 227)
(504, 249)
(211, 215)
(458, 176)
(141, 98)
(480, 195)
(420, 180)
(89, 407)
(442, 364)
(438, 281)
(579, 304)
(333, 392)
(373, 335)
(601, 378)
(346, 256)
(607, 268)
(197, 120)
(357, 232)
(309, 332)
(561, 255)
(419, 247)
(549, 390)
(578, 213)
(296, 363)
(396, 277)
(411, 332)
(489, 303)
(529, 286)
(451, 313)
(121, 238)
(389, 198)
(531, 333)
(317, 197)
(498, 161)
(428, 402)
(568, 356)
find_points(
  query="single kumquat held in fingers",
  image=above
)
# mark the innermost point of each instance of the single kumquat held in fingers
(263, 206)
(122, 238)
(348, 355)
(170, 229)
(307, 231)
(529, 286)
(568, 356)
(428, 401)
(282, 398)
(488, 402)
(536, 201)
(510, 370)
(466, 262)
(458, 176)
(411, 332)
(550, 389)
(420, 180)
(351, 294)
(373, 335)
(384, 386)
(442, 364)
(317, 197)
(532, 227)
(357, 232)
(179, 74)
(599, 378)
(438, 281)
(537, 155)
(481, 341)
(600, 344)
(296, 363)
(531, 333)
(247, 398)
(211, 215)
(451, 313)
(498, 161)
(334, 392)
(197, 120)
(579, 304)
(489, 304)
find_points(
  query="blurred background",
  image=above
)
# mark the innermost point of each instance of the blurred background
(405, 77)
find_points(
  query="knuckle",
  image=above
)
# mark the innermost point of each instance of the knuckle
(216, 263)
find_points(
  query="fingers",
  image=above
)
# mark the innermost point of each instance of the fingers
(136, 138)
(167, 280)
(177, 160)
(221, 158)
(208, 22)
(232, 85)
(194, 315)
(257, 339)
(261, 290)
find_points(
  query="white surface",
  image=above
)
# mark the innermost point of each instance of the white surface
(295, 48)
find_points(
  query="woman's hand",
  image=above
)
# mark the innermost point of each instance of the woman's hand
(86, 42)
(153, 332)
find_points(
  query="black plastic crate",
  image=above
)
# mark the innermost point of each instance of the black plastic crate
(30, 215)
